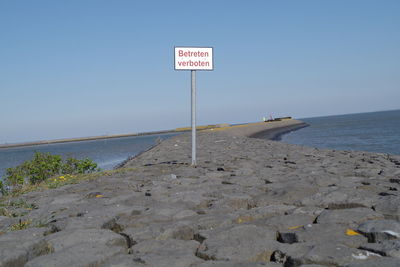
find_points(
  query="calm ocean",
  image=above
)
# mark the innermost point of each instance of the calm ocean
(107, 153)
(374, 132)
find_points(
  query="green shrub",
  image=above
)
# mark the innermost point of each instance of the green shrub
(75, 166)
(44, 166)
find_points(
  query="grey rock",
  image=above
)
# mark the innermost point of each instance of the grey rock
(167, 252)
(143, 233)
(184, 214)
(6, 222)
(389, 206)
(352, 217)
(124, 260)
(312, 265)
(238, 243)
(194, 199)
(283, 193)
(380, 230)
(389, 248)
(16, 248)
(236, 201)
(367, 172)
(69, 238)
(263, 212)
(236, 264)
(331, 254)
(380, 262)
(209, 222)
(81, 247)
(286, 222)
(85, 254)
(66, 199)
(295, 250)
(178, 231)
(312, 211)
(318, 234)
(340, 198)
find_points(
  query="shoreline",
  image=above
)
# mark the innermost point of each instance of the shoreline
(101, 137)
(265, 130)
(83, 139)
(248, 202)
(277, 133)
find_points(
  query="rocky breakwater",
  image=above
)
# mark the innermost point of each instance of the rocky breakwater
(249, 202)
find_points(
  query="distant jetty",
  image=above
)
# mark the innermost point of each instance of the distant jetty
(79, 139)
(177, 130)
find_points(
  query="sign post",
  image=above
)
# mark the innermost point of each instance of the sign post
(194, 58)
(193, 81)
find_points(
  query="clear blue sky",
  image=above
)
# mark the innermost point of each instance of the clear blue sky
(76, 68)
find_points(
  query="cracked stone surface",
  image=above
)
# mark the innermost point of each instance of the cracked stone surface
(249, 202)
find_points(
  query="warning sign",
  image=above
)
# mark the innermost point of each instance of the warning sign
(194, 58)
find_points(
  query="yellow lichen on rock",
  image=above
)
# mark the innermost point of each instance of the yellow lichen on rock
(351, 232)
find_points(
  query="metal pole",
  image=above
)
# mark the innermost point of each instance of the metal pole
(193, 73)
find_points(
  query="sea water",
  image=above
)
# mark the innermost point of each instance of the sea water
(107, 153)
(373, 132)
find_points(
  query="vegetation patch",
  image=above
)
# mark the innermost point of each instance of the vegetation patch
(21, 225)
(56, 182)
(44, 172)
(15, 208)
(44, 166)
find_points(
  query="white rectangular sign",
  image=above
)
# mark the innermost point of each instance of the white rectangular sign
(194, 58)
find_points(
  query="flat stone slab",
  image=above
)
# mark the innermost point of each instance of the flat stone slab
(351, 217)
(236, 264)
(70, 238)
(317, 234)
(389, 206)
(330, 254)
(166, 253)
(380, 230)
(390, 248)
(239, 243)
(86, 254)
(287, 222)
(380, 262)
(17, 248)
